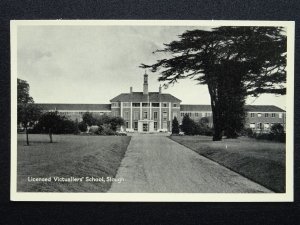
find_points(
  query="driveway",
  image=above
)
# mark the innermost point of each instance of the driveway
(154, 163)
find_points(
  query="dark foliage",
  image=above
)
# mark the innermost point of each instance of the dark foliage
(175, 126)
(82, 126)
(190, 127)
(234, 62)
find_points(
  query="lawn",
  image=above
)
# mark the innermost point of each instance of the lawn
(260, 161)
(69, 156)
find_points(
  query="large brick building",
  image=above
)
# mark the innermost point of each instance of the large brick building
(154, 111)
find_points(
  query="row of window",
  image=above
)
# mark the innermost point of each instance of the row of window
(273, 115)
(144, 104)
(135, 125)
(196, 114)
(145, 115)
(80, 113)
(261, 126)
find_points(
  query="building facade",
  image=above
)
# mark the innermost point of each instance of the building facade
(154, 111)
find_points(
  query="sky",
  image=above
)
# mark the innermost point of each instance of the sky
(93, 64)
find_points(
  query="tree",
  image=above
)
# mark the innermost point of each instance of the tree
(233, 62)
(51, 121)
(89, 119)
(188, 125)
(28, 115)
(175, 126)
(27, 112)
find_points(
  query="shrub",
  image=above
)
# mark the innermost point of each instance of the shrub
(190, 127)
(82, 126)
(175, 126)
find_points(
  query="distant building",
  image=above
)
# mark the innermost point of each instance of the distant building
(154, 111)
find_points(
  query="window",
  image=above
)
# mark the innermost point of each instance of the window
(196, 114)
(145, 115)
(155, 104)
(251, 115)
(126, 104)
(136, 104)
(190, 114)
(101, 113)
(175, 105)
(155, 125)
(135, 125)
(182, 114)
(252, 125)
(280, 115)
(207, 114)
(155, 115)
(258, 114)
(165, 104)
(273, 115)
(115, 104)
(127, 124)
(145, 104)
(259, 126)
(116, 113)
(174, 115)
(165, 114)
(266, 126)
(136, 115)
(126, 115)
(266, 114)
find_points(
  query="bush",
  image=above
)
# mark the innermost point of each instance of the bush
(190, 127)
(82, 126)
(106, 130)
(247, 132)
(175, 126)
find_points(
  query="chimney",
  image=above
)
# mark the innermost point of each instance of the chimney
(159, 89)
(130, 90)
(145, 90)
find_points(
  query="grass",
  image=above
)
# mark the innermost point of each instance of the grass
(260, 161)
(69, 155)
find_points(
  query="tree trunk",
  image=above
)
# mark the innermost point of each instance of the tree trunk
(50, 135)
(27, 138)
(217, 114)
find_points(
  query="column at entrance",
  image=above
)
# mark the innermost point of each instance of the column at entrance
(131, 116)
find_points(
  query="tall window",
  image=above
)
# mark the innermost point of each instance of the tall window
(197, 114)
(127, 124)
(258, 114)
(135, 125)
(266, 114)
(126, 104)
(165, 115)
(155, 125)
(280, 115)
(175, 105)
(273, 115)
(136, 115)
(251, 115)
(155, 115)
(145, 115)
(126, 115)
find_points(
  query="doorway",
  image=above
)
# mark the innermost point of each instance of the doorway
(145, 127)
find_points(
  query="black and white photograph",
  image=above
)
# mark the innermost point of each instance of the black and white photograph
(152, 110)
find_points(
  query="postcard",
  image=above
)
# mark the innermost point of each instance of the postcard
(152, 110)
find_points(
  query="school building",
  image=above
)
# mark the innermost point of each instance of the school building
(154, 111)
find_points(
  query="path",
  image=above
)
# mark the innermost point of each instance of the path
(154, 163)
